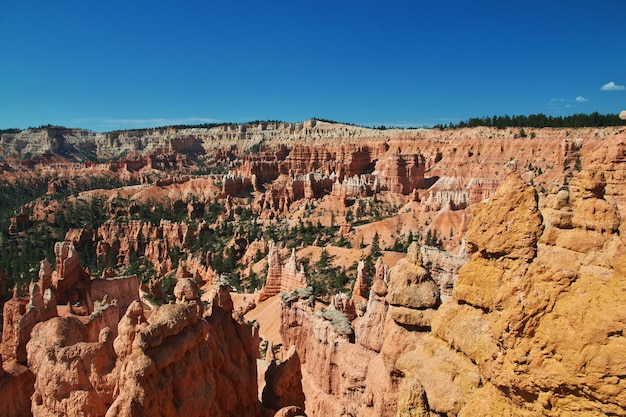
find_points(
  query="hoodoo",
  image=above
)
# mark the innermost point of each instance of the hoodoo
(284, 269)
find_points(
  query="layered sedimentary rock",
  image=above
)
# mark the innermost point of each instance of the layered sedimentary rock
(360, 291)
(74, 376)
(447, 200)
(175, 362)
(401, 173)
(279, 196)
(345, 160)
(518, 338)
(16, 386)
(235, 184)
(283, 382)
(69, 276)
(443, 267)
(117, 242)
(21, 314)
(342, 302)
(124, 290)
(281, 278)
(540, 285)
(348, 368)
(355, 187)
(414, 295)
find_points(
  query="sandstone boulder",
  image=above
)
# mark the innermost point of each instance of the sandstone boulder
(412, 293)
(73, 377)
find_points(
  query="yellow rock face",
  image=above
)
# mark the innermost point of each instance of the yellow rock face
(536, 324)
(509, 225)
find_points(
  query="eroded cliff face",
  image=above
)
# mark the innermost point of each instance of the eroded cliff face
(534, 326)
(180, 360)
(348, 366)
(281, 278)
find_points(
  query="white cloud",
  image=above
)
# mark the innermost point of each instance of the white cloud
(581, 99)
(612, 87)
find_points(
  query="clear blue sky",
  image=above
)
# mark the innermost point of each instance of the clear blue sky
(112, 64)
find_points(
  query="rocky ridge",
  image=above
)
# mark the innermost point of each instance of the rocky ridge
(527, 297)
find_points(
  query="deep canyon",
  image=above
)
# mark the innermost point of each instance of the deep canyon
(314, 268)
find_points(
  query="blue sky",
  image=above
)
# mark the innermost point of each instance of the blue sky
(133, 63)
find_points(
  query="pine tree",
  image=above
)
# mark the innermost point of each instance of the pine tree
(375, 250)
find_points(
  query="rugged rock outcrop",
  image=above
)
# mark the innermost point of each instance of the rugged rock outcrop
(447, 200)
(233, 185)
(342, 302)
(174, 362)
(443, 267)
(281, 278)
(21, 314)
(280, 195)
(16, 386)
(414, 295)
(74, 377)
(347, 369)
(360, 292)
(530, 327)
(115, 243)
(69, 277)
(401, 173)
(518, 338)
(283, 382)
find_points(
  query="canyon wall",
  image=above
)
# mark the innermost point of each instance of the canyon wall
(180, 360)
(347, 362)
(532, 327)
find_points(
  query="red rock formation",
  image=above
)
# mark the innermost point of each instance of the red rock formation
(195, 268)
(274, 273)
(19, 223)
(80, 237)
(292, 277)
(116, 242)
(281, 278)
(124, 290)
(360, 292)
(443, 267)
(370, 327)
(174, 362)
(74, 377)
(68, 273)
(283, 382)
(199, 366)
(341, 302)
(22, 314)
(355, 187)
(233, 185)
(347, 371)
(401, 173)
(16, 386)
(413, 295)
